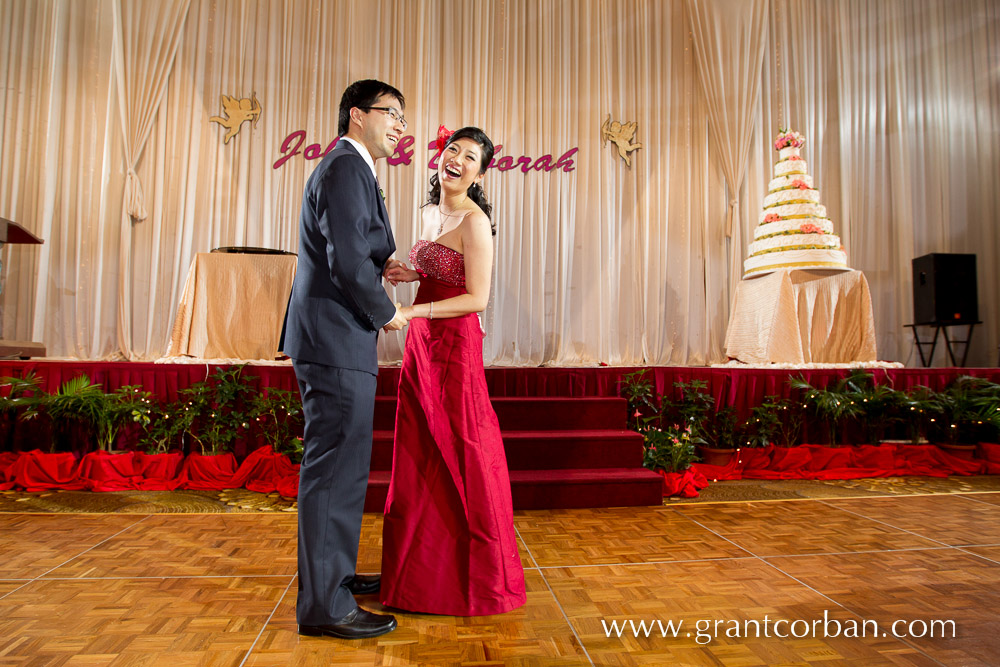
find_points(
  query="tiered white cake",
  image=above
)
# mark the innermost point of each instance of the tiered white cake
(793, 232)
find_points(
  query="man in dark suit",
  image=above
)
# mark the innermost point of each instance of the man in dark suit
(337, 306)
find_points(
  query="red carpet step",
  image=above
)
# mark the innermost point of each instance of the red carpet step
(562, 452)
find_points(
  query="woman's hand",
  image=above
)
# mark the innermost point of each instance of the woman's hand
(398, 272)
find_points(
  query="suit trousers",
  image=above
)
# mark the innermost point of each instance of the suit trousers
(339, 406)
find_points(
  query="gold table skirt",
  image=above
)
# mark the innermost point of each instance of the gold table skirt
(802, 316)
(233, 306)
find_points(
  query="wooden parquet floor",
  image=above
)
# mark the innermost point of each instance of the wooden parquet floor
(795, 582)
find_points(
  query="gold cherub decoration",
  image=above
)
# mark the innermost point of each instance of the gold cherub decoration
(621, 134)
(237, 112)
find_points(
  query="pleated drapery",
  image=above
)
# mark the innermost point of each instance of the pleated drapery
(596, 261)
(729, 39)
(146, 35)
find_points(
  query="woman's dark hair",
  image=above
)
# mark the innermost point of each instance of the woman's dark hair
(362, 94)
(475, 190)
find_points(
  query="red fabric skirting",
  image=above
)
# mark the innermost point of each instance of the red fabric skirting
(264, 471)
(729, 386)
(822, 462)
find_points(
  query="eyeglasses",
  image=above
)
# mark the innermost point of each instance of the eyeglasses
(396, 116)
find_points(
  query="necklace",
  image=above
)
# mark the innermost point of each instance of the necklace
(444, 215)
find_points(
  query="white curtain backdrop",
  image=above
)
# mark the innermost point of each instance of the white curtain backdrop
(729, 38)
(146, 36)
(597, 261)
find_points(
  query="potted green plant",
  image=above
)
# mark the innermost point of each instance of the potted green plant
(77, 410)
(920, 411)
(21, 399)
(277, 414)
(214, 416)
(671, 449)
(763, 426)
(714, 432)
(968, 410)
(835, 406)
(220, 407)
(881, 406)
(128, 404)
(638, 391)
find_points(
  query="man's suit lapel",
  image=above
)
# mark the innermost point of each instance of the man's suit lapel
(383, 214)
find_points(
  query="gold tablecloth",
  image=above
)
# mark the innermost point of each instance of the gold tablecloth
(233, 306)
(802, 316)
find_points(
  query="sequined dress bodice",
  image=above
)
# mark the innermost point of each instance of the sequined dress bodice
(439, 262)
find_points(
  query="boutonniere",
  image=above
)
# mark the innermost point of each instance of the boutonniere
(383, 194)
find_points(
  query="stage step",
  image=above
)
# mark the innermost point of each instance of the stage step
(561, 452)
(536, 413)
(546, 450)
(559, 489)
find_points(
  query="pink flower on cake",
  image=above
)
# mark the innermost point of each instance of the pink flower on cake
(800, 184)
(772, 217)
(787, 138)
(810, 228)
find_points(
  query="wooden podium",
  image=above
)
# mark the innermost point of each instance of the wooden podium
(11, 232)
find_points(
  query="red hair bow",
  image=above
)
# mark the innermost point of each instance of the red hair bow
(444, 134)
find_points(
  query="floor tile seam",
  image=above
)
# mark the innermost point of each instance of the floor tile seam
(968, 495)
(864, 552)
(797, 500)
(555, 598)
(851, 611)
(569, 622)
(819, 501)
(517, 533)
(263, 627)
(755, 557)
(687, 561)
(717, 534)
(974, 554)
(94, 546)
(894, 527)
(27, 582)
(801, 583)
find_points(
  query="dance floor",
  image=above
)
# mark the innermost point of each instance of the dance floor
(851, 580)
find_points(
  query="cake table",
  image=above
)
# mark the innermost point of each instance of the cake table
(802, 316)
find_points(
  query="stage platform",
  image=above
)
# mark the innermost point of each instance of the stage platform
(730, 385)
(565, 429)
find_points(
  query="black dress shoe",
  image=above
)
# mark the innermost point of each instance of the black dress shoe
(364, 584)
(359, 624)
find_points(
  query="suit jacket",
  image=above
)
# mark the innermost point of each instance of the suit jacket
(338, 303)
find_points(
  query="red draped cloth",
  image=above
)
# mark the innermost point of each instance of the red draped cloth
(159, 471)
(207, 472)
(822, 462)
(38, 471)
(263, 471)
(103, 471)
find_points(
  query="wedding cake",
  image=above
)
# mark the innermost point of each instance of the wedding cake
(793, 231)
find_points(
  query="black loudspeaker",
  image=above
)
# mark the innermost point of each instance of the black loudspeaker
(944, 289)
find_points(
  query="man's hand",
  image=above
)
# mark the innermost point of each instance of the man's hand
(397, 272)
(397, 322)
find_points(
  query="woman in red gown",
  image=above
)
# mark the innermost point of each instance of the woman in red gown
(448, 542)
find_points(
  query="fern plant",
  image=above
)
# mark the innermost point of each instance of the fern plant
(834, 406)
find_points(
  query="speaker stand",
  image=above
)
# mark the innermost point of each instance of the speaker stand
(942, 328)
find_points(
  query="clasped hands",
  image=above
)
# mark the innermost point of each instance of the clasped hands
(397, 272)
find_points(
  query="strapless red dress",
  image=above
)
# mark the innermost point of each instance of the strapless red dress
(448, 542)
